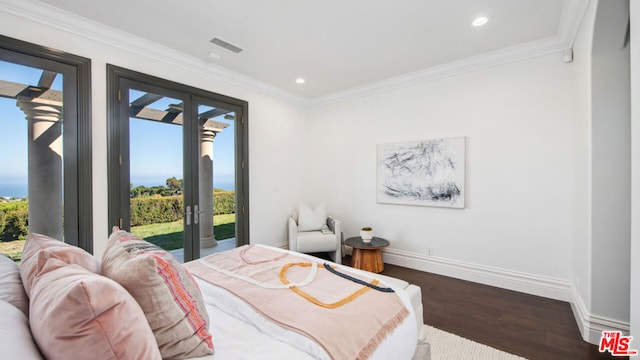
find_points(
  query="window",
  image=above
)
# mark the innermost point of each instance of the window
(51, 137)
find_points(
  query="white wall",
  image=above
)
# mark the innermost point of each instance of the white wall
(601, 263)
(518, 119)
(529, 164)
(548, 172)
(635, 176)
(610, 157)
(276, 127)
(581, 249)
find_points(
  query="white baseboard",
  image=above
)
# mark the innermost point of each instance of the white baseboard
(527, 283)
(590, 326)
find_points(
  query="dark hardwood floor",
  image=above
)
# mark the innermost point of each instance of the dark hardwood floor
(522, 324)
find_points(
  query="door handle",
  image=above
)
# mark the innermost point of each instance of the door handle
(197, 212)
(188, 215)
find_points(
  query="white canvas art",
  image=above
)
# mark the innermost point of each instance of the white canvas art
(425, 173)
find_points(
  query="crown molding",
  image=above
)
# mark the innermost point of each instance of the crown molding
(39, 12)
(573, 12)
(48, 15)
(516, 53)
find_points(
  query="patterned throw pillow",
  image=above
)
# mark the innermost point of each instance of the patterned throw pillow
(166, 292)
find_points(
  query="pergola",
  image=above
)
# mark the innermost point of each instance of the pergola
(43, 109)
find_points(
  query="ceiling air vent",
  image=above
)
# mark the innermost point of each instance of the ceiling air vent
(226, 45)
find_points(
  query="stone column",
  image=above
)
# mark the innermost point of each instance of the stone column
(45, 165)
(207, 238)
(207, 133)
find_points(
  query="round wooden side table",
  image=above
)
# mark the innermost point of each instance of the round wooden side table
(367, 255)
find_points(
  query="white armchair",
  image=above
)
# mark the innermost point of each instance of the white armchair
(312, 232)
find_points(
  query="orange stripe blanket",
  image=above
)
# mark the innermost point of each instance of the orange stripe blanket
(347, 316)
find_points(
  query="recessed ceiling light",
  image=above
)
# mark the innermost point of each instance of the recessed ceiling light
(299, 81)
(479, 21)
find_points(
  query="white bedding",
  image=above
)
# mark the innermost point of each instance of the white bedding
(239, 332)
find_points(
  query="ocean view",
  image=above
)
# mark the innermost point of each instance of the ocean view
(13, 190)
(225, 185)
(20, 190)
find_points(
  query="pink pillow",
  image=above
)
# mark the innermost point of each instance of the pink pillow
(166, 292)
(38, 248)
(75, 314)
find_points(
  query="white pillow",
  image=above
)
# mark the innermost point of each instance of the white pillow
(11, 288)
(15, 338)
(311, 219)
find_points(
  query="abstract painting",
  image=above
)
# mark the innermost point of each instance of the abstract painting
(425, 173)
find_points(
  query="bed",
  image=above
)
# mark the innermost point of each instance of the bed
(235, 303)
(395, 346)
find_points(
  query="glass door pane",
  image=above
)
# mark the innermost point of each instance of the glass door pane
(173, 165)
(217, 205)
(156, 170)
(31, 170)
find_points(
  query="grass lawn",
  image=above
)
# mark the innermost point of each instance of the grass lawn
(13, 249)
(169, 236)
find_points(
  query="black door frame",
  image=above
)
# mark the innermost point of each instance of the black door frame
(78, 188)
(117, 80)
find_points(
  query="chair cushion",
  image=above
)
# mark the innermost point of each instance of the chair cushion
(166, 292)
(316, 241)
(11, 288)
(311, 219)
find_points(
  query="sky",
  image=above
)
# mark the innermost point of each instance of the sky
(13, 125)
(156, 150)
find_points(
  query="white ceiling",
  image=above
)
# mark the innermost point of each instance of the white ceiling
(334, 44)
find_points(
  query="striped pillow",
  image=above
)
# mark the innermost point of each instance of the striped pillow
(166, 292)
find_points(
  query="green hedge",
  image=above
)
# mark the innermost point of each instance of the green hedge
(144, 210)
(14, 223)
(151, 210)
(224, 202)
(160, 209)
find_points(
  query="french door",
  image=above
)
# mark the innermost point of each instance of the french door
(161, 174)
(45, 176)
